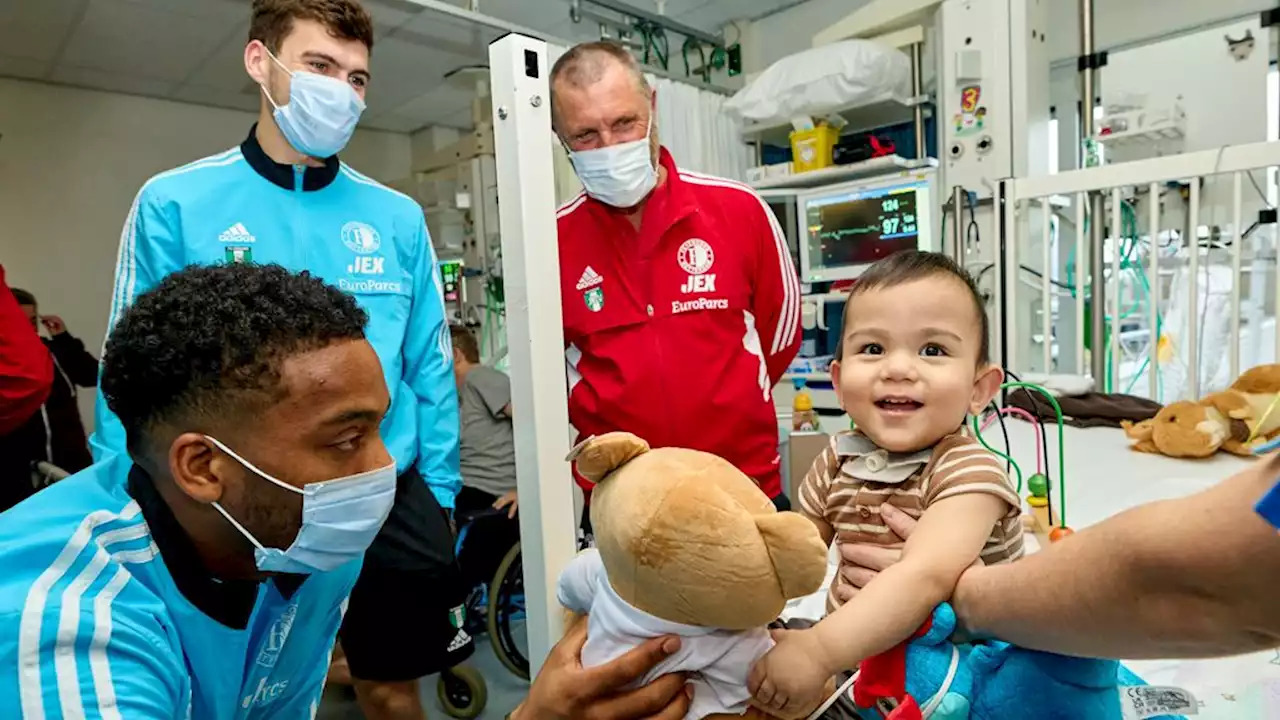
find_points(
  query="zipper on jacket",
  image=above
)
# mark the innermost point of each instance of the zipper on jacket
(299, 172)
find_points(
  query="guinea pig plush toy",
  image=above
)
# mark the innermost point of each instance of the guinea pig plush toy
(687, 545)
(1239, 420)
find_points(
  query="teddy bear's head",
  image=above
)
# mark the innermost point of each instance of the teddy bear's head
(1182, 429)
(686, 537)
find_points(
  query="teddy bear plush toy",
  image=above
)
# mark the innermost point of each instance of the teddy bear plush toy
(686, 545)
(1238, 420)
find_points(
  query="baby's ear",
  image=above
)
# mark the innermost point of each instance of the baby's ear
(796, 550)
(985, 386)
(596, 457)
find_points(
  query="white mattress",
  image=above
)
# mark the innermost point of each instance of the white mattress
(1105, 477)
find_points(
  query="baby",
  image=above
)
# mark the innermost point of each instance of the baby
(912, 364)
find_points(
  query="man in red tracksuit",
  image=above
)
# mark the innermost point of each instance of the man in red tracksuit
(681, 305)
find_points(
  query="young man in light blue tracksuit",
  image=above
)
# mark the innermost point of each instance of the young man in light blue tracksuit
(283, 196)
(204, 574)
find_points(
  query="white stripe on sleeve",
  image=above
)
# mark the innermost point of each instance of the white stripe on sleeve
(30, 688)
(64, 656)
(789, 314)
(99, 667)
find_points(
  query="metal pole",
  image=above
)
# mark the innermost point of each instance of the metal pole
(1098, 292)
(1088, 76)
(1097, 236)
(1004, 292)
(917, 110)
(531, 272)
(957, 230)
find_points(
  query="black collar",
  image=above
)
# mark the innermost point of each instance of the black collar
(313, 178)
(229, 602)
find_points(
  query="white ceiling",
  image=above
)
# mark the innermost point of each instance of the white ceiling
(192, 50)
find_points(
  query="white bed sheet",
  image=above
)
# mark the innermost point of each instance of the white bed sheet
(1104, 477)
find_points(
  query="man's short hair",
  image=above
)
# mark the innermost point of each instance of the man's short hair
(911, 265)
(465, 342)
(23, 297)
(344, 19)
(585, 63)
(207, 344)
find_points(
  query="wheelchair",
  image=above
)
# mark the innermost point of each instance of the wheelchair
(495, 609)
(44, 474)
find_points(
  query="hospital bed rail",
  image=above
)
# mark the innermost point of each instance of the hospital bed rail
(1132, 238)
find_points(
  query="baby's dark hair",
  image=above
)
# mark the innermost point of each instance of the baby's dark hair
(909, 266)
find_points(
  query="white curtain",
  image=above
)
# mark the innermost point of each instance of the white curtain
(703, 138)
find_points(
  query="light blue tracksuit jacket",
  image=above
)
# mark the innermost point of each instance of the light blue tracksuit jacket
(93, 623)
(365, 238)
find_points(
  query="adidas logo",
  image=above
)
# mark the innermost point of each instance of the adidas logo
(459, 641)
(590, 278)
(236, 234)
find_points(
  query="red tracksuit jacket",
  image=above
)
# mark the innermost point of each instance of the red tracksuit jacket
(678, 333)
(26, 368)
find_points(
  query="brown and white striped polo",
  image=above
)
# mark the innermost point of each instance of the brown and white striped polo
(838, 491)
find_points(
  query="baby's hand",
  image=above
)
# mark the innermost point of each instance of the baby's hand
(791, 678)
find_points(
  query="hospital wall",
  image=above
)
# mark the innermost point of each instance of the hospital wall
(71, 162)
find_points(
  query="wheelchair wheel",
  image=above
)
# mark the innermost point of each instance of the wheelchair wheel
(506, 605)
(462, 692)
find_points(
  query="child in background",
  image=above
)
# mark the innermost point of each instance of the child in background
(912, 364)
(487, 459)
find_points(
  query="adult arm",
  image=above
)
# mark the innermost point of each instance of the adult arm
(776, 300)
(150, 248)
(26, 370)
(565, 690)
(79, 364)
(132, 673)
(1193, 577)
(428, 363)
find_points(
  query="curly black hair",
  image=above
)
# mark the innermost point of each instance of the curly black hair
(208, 342)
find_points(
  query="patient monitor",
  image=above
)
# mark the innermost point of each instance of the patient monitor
(844, 228)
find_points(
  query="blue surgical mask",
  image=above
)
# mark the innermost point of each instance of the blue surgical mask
(321, 114)
(340, 518)
(619, 175)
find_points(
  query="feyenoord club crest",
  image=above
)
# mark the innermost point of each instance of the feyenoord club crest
(695, 256)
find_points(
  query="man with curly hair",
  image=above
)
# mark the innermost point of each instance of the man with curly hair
(204, 573)
(283, 196)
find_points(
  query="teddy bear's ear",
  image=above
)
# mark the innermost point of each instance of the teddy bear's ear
(596, 457)
(796, 549)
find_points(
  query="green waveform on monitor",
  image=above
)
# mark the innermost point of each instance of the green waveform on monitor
(842, 233)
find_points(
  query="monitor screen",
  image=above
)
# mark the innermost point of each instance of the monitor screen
(451, 278)
(847, 229)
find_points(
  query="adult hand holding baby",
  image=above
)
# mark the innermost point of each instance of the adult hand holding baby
(864, 561)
